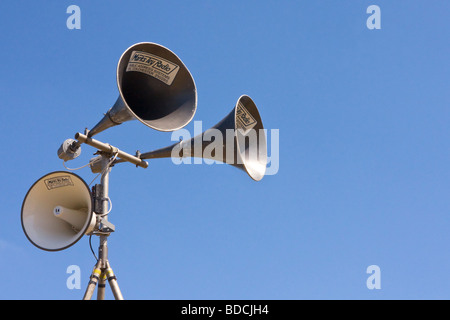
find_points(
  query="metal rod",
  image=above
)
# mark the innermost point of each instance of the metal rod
(82, 138)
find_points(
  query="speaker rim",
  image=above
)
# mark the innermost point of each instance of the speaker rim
(81, 233)
(128, 107)
(245, 164)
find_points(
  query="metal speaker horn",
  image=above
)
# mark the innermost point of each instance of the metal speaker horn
(155, 87)
(243, 142)
(57, 211)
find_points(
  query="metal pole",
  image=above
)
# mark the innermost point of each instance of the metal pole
(102, 258)
(103, 247)
(98, 274)
(104, 194)
(102, 270)
(107, 272)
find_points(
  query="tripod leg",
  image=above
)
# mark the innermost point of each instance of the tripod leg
(93, 281)
(101, 287)
(113, 282)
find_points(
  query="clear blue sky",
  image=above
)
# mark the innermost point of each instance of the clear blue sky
(363, 118)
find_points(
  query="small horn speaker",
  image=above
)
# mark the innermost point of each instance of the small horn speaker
(155, 87)
(57, 211)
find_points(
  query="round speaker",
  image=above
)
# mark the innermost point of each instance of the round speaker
(57, 211)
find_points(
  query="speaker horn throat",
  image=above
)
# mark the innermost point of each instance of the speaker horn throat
(118, 114)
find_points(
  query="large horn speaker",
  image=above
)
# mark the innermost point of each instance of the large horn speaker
(57, 211)
(155, 87)
(243, 144)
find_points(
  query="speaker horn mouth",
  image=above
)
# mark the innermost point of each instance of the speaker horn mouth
(156, 87)
(250, 138)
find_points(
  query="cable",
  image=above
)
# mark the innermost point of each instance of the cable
(102, 173)
(109, 200)
(110, 208)
(94, 179)
(90, 245)
(64, 164)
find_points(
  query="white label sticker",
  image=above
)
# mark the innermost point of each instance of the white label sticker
(154, 66)
(245, 120)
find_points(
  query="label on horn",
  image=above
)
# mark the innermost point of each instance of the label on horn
(58, 182)
(244, 119)
(154, 66)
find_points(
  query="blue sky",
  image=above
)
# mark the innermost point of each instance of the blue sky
(363, 148)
